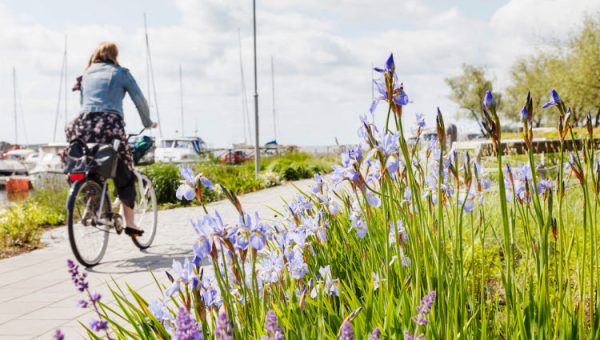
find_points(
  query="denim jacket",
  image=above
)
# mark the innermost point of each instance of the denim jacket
(103, 88)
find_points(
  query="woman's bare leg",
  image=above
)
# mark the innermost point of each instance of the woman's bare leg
(129, 217)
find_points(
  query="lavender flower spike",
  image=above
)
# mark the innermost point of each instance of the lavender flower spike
(187, 327)
(426, 303)
(58, 335)
(376, 334)
(346, 331)
(224, 329)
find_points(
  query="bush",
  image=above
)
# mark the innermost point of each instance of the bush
(165, 179)
(21, 224)
(298, 165)
(239, 179)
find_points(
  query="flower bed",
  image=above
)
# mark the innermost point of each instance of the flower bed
(401, 241)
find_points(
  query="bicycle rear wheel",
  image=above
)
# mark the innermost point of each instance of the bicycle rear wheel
(146, 211)
(88, 239)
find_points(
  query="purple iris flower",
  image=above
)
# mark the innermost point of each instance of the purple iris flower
(398, 95)
(554, 99)
(392, 165)
(258, 230)
(353, 155)
(374, 175)
(469, 205)
(183, 275)
(489, 101)
(203, 245)
(188, 186)
(211, 297)
(524, 115)
(271, 267)
(390, 143)
(301, 204)
(334, 208)
(160, 311)
(420, 120)
(207, 182)
(544, 185)
(330, 285)
(318, 187)
(373, 199)
(389, 65)
(296, 265)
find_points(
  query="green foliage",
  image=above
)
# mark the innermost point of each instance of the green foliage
(468, 90)
(573, 70)
(537, 74)
(21, 224)
(165, 179)
(239, 179)
(298, 165)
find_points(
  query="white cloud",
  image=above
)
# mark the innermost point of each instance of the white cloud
(323, 52)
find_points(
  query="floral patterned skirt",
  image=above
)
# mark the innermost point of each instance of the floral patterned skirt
(103, 128)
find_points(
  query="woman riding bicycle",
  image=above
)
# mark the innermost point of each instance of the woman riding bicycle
(102, 88)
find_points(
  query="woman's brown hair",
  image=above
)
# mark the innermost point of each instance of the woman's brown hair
(106, 52)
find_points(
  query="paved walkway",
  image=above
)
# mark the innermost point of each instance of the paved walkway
(36, 293)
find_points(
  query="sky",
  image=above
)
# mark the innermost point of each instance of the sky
(322, 54)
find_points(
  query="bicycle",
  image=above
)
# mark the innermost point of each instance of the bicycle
(90, 215)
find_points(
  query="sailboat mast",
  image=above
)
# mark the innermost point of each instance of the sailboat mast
(60, 89)
(273, 86)
(256, 124)
(181, 97)
(65, 84)
(15, 103)
(151, 75)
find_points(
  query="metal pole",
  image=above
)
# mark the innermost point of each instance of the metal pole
(15, 103)
(273, 85)
(256, 138)
(181, 97)
(66, 90)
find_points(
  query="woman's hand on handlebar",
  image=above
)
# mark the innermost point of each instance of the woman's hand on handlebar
(154, 125)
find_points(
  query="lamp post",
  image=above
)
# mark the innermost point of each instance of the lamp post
(256, 140)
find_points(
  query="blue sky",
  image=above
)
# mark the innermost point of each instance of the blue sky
(323, 51)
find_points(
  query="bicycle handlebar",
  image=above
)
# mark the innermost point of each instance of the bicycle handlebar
(135, 134)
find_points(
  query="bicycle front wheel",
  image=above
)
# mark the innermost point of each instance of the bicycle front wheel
(146, 211)
(88, 239)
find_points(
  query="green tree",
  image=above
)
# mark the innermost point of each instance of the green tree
(574, 71)
(583, 60)
(468, 90)
(538, 74)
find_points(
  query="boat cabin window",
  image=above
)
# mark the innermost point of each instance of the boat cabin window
(179, 144)
(167, 143)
